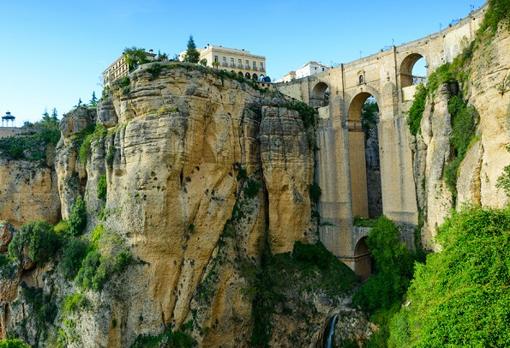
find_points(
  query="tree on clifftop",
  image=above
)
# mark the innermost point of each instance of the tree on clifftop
(135, 57)
(192, 55)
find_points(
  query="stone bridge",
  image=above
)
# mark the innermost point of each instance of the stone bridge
(339, 95)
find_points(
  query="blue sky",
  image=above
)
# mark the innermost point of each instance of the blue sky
(53, 52)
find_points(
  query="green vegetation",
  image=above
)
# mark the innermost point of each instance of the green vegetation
(167, 339)
(73, 303)
(73, 253)
(393, 268)
(78, 218)
(359, 221)
(369, 114)
(99, 132)
(464, 119)
(307, 113)
(134, 57)
(251, 188)
(192, 55)
(308, 268)
(102, 187)
(38, 240)
(460, 297)
(498, 12)
(33, 144)
(155, 70)
(106, 256)
(13, 343)
(417, 109)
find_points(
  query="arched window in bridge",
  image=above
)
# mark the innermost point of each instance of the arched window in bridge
(361, 79)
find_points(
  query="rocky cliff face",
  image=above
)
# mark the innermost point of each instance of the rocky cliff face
(488, 91)
(204, 175)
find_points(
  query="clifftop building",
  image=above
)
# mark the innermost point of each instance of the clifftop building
(238, 61)
(119, 68)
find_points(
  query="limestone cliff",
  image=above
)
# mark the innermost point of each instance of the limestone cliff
(487, 90)
(204, 174)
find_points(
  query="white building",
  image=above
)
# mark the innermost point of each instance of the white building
(310, 68)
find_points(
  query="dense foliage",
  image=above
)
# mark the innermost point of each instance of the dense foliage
(33, 144)
(308, 268)
(369, 114)
(393, 268)
(13, 343)
(102, 187)
(460, 297)
(73, 253)
(37, 239)
(78, 218)
(463, 119)
(498, 12)
(417, 109)
(134, 57)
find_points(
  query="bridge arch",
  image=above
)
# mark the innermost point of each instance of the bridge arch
(364, 157)
(362, 259)
(320, 94)
(407, 77)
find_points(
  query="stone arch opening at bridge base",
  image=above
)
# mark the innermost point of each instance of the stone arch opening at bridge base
(362, 259)
(320, 95)
(364, 158)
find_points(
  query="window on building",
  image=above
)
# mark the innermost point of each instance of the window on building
(254, 65)
(240, 62)
(225, 60)
(262, 65)
(247, 63)
(215, 58)
(232, 61)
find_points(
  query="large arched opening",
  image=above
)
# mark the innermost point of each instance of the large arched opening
(362, 260)
(413, 70)
(364, 159)
(320, 95)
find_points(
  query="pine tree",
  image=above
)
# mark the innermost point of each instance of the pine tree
(93, 100)
(192, 55)
(79, 103)
(54, 115)
(46, 116)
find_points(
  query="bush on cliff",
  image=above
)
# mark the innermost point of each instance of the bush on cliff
(37, 240)
(393, 268)
(460, 297)
(78, 218)
(13, 343)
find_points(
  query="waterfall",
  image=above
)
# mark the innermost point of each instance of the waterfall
(331, 331)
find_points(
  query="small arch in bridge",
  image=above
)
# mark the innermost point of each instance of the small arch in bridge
(361, 79)
(254, 76)
(320, 95)
(413, 70)
(247, 75)
(240, 73)
(362, 260)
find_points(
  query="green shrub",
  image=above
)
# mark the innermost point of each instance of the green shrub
(460, 297)
(88, 137)
(73, 253)
(393, 268)
(78, 218)
(155, 70)
(498, 12)
(42, 309)
(504, 180)
(86, 276)
(73, 303)
(102, 187)
(417, 109)
(13, 343)
(38, 238)
(61, 228)
(4, 260)
(359, 221)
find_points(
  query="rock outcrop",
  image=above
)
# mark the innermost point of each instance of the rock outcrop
(488, 91)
